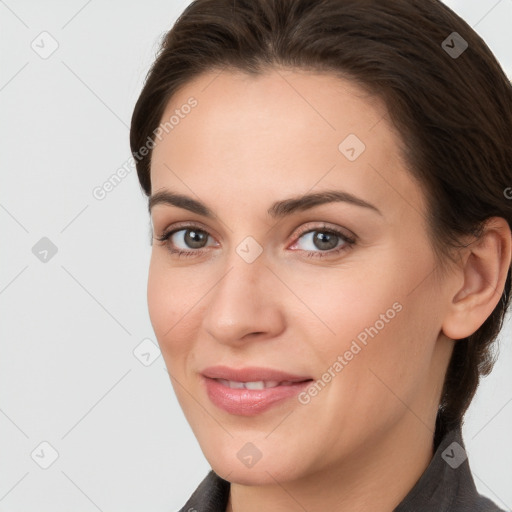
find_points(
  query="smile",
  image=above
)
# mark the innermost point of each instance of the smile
(259, 384)
(251, 398)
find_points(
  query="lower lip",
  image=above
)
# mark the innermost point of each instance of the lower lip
(249, 402)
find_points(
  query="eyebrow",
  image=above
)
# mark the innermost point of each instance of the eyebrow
(277, 210)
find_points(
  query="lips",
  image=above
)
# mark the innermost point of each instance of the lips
(250, 391)
(252, 374)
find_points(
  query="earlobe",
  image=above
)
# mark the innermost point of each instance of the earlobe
(485, 267)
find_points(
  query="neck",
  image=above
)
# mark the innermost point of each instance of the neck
(377, 477)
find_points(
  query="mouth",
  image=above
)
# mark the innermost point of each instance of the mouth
(258, 384)
(252, 374)
(250, 391)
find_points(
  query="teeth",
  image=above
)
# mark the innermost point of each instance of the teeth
(260, 385)
(249, 385)
(235, 385)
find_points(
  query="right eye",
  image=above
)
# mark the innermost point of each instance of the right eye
(187, 241)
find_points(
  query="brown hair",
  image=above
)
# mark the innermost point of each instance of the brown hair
(455, 111)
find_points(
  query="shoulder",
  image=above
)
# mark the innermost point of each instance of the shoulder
(447, 485)
(210, 496)
(483, 504)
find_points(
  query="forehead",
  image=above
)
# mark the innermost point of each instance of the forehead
(283, 129)
(296, 105)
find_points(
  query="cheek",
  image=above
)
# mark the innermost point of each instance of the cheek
(160, 302)
(347, 301)
(383, 333)
(171, 294)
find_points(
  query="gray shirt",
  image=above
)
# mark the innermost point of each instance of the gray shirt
(446, 486)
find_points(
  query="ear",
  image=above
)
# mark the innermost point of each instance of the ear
(485, 264)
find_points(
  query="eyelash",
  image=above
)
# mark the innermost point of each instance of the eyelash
(349, 242)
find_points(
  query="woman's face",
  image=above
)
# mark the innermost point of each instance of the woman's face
(338, 289)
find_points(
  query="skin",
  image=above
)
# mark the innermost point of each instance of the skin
(366, 438)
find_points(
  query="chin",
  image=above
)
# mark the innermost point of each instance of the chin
(261, 462)
(259, 474)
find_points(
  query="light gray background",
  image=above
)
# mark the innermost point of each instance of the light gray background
(68, 373)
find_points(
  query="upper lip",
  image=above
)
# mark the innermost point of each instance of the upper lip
(251, 374)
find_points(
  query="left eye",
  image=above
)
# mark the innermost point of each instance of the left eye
(320, 240)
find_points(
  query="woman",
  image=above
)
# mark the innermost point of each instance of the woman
(331, 246)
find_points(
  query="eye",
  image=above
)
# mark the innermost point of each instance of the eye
(323, 241)
(186, 241)
(189, 238)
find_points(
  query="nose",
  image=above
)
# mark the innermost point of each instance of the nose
(244, 304)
